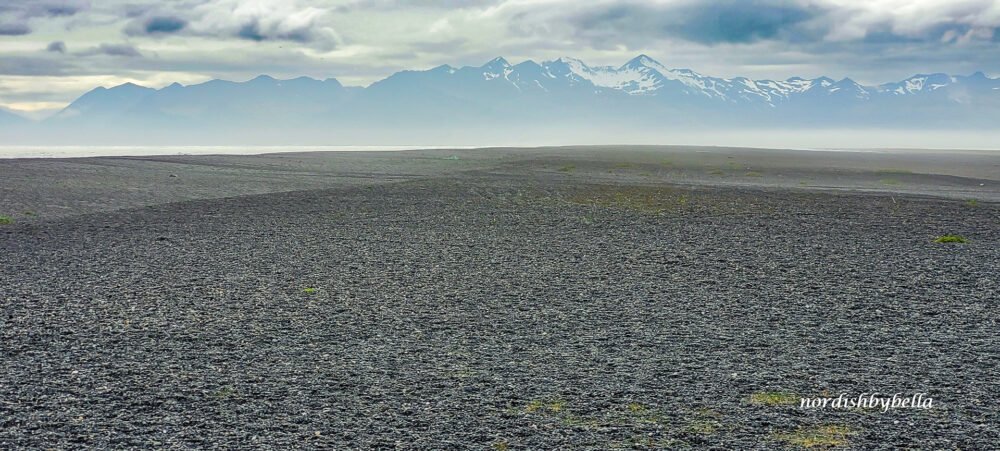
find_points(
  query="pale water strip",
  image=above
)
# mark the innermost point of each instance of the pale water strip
(129, 151)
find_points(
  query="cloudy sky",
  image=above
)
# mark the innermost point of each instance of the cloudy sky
(51, 51)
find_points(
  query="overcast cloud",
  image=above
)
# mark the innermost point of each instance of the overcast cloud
(51, 51)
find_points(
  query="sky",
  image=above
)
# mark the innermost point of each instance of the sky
(52, 51)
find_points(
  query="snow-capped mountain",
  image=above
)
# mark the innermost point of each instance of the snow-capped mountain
(641, 94)
(645, 76)
(924, 84)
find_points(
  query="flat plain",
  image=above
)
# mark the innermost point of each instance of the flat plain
(572, 297)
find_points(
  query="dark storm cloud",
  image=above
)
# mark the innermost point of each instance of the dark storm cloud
(57, 47)
(637, 23)
(14, 29)
(383, 5)
(15, 14)
(61, 10)
(289, 20)
(941, 33)
(704, 22)
(159, 19)
(121, 50)
(35, 8)
(252, 31)
(164, 24)
(741, 21)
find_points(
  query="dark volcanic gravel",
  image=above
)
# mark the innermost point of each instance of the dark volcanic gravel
(501, 311)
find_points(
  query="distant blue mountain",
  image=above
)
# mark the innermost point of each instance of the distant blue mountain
(105, 103)
(10, 119)
(498, 98)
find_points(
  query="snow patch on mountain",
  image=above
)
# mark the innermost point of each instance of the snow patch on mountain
(644, 76)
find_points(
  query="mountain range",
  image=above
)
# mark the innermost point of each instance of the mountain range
(499, 98)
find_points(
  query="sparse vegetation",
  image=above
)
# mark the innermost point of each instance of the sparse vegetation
(716, 172)
(308, 290)
(29, 213)
(459, 375)
(818, 437)
(951, 239)
(633, 414)
(6, 220)
(889, 181)
(637, 442)
(645, 199)
(754, 174)
(972, 203)
(223, 393)
(567, 168)
(706, 412)
(554, 406)
(774, 398)
(661, 200)
(704, 426)
(705, 421)
(500, 445)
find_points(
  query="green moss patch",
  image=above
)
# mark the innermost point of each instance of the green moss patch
(951, 239)
(818, 436)
(774, 398)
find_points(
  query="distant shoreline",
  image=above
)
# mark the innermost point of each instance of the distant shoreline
(88, 151)
(12, 152)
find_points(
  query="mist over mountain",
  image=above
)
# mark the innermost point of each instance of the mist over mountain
(10, 119)
(564, 98)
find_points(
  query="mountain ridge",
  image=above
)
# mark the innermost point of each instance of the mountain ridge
(643, 75)
(641, 94)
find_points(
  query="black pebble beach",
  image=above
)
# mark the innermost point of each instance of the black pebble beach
(509, 302)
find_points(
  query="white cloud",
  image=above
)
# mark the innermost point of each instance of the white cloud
(911, 18)
(263, 20)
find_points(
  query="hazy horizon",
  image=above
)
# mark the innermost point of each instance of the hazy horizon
(824, 140)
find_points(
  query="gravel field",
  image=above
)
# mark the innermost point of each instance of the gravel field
(511, 300)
